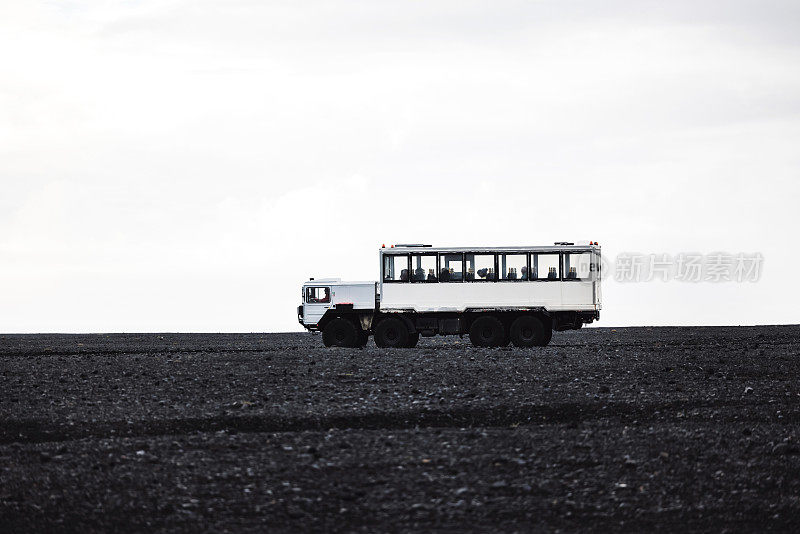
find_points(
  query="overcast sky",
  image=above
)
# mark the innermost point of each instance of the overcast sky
(179, 165)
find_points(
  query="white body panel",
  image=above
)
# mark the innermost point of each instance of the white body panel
(360, 294)
(457, 297)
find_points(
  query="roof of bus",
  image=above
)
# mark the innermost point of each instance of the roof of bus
(427, 249)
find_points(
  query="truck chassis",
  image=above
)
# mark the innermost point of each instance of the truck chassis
(486, 328)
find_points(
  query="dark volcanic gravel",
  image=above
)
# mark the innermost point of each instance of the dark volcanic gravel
(633, 429)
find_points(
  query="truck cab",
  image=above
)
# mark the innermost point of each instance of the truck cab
(324, 299)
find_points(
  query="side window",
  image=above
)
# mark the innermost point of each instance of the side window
(480, 267)
(451, 268)
(545, 266)
(578, 266)
(395, 268)
(423, 268)
(318, 295)
(513, 267)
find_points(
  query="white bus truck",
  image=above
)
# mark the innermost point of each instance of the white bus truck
(496, 295)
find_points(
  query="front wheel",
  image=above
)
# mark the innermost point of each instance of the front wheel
(339, 333)
(392, 333)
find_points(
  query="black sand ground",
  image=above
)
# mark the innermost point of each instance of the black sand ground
(639, 429)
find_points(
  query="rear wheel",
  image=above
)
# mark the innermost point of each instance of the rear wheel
(487, 331)
(391, 332)
(339, 333)
(528, 331)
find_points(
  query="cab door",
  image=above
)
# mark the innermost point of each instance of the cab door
(316, 302)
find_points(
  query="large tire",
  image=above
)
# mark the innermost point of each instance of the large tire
(392, 332)
(340, 333)
(413, 339)
(528, 331)
(487, 331)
